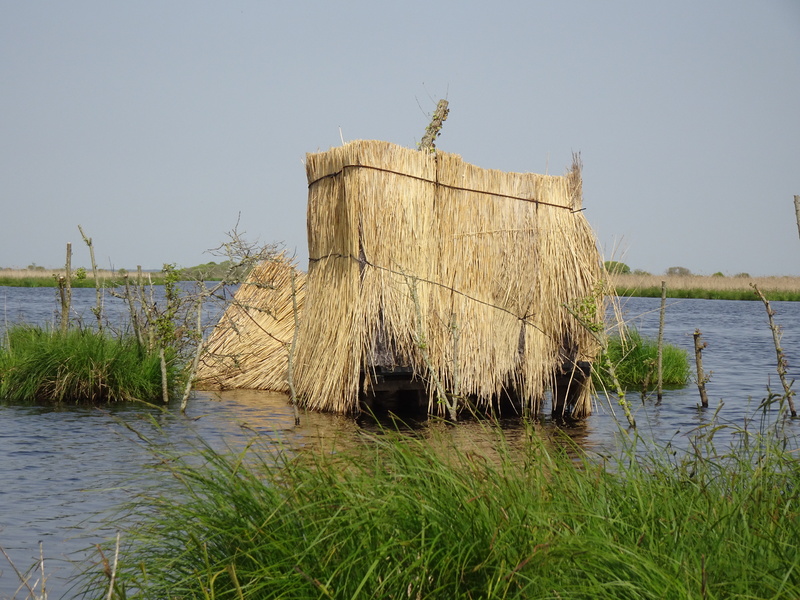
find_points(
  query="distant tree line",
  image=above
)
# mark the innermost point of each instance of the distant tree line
(615, 267)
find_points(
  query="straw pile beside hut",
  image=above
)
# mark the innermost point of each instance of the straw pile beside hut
(477, 283)
(249, 347)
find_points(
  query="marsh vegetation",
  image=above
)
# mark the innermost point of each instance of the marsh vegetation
(634, 357)
(541, 516)
(110, 278)
(712, 287)
(80, 365)
(399, 516)
(153, 354)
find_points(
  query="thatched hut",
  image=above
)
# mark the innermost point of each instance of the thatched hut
(479, 286)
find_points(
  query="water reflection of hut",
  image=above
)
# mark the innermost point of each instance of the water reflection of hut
(426, 275)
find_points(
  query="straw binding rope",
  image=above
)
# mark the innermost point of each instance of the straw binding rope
(438, 183)
(362, 260)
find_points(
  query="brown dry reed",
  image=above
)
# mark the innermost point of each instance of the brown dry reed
(470, 275)
(249, 347)
(634, 283)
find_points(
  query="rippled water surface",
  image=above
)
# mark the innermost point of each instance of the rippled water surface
(63, 470)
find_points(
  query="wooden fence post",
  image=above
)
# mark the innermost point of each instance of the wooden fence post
(65, 289)
(702, 378)
(797, 211)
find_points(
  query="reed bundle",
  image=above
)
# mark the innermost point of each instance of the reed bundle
(249, 346)
(426, 252)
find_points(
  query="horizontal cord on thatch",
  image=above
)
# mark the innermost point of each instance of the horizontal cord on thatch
(246, 310)
(363, 261)
(448, 186)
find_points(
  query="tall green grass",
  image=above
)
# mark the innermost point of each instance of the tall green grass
(80, 365)
(635, 362)
(400, 517)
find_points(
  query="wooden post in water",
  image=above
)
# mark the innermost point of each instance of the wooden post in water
(65, 289)
(291, 350)
(797, 211)
(196, 360)
(661, 342)
(97, 310)
(702, 378)
(776, 338)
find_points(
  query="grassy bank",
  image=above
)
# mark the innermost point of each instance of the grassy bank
(49, 278)
(711, 287)
(40, 277)
(79, 365)
(403, 517)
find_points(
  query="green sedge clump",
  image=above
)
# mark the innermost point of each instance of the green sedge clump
(79, 366)
(398, 516)
(635, 360)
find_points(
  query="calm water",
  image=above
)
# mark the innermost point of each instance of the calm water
(64, 470)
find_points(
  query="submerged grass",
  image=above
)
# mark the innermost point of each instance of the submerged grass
(80, 365)
(402, 517)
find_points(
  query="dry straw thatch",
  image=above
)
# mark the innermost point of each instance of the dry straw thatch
(249, 347)
(469, 276)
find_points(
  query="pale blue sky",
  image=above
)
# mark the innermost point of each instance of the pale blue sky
(154, 125)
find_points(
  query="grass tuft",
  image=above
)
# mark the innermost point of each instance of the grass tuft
(635, 362)
(80, 365)
(399, 517)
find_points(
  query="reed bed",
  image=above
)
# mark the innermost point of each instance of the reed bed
(79, 365)
(106, 278)
(50, 273)
(403, 517)
(50, 277)
(704, 286)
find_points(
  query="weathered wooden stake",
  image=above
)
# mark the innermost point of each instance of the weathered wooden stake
(776, 338)
(65, 289)
(98, 310)
(660, 369)
(196, 360)
(137, 328)
(797, 211)
(456, 365)
(164, 382)
(290, 354)
(607, 363)
(701, 376)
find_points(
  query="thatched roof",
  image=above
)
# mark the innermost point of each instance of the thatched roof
(464, 273)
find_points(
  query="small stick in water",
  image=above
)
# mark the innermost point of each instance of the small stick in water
(776, 338)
